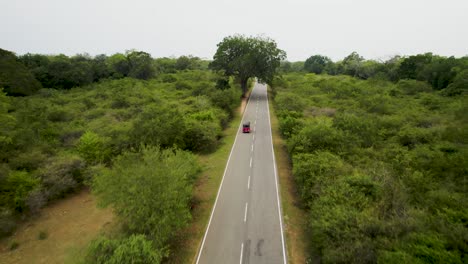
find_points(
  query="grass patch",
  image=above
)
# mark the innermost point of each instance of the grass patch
(14, 245)
(42, 235)
(187, 242)
(295, 219)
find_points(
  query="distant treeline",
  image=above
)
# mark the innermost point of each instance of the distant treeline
(440, 72)
(26, 74)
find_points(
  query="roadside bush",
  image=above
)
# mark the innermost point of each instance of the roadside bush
(16, 190)
(158, 125)
(93, 148)
(227, 99)
(134, 249)
(290, 102)
(314, 171)
(289, 124)
(149, 191)
(201, 135)
(318, 134)
(61, 175)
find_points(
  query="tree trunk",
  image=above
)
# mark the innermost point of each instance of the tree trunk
(243, 83)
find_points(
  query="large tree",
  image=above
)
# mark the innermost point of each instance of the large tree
(316, 63)
(15, 78)
(247, 57)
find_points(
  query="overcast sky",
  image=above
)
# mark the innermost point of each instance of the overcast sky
(375, 29)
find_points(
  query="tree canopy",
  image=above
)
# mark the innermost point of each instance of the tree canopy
(316, 63)
(247, 57)
(15, 77)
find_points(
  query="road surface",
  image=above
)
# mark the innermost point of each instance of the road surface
(245, 225)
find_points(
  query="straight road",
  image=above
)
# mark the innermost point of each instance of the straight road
(245, 225)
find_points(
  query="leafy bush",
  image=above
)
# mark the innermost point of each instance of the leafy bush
(159, 125)
(61, 175)
(16, 189)
(201, 135)
(314, 171)
(318, 134)
(134, 249)
(384, 177)
(412, 87)
(93, 148)
(149, 191)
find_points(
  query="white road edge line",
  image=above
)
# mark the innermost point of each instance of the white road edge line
(248, 183)
(276, 177)
(245, 213)
(242, 252)
(221, 185)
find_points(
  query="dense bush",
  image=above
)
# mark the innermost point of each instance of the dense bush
(150, 192)
(134, 249)
(383, 177)
(56, 137)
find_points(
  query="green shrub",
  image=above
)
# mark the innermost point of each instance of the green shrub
(42, 235)
(150, 192)
(319, 134)
(14, 245)
(29, 160)
(134, 249)
(411, 136)
(159, 125)
(362, 129)
(59, 115)
(93, 148)
(412, 87)
(61, 175)
(16, 189)
(314, 171)
(290, 102)
(201, 135)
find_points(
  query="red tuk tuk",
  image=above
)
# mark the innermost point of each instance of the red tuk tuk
(246, 127)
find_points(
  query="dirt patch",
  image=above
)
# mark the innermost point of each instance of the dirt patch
(244, 102)
(63, 228)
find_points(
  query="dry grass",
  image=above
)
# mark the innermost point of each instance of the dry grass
(186, 244)
(295, 224)
(70, 224)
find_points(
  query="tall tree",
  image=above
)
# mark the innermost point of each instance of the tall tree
(141, 64)
(352, 64)
(247, 57)
(316, 63)
(15, 78)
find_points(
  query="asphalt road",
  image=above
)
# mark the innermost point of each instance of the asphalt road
(245, 225)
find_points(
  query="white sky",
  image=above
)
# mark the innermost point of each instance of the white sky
(375, 29)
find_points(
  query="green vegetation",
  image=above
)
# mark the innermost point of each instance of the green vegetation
(150, 192)
(15, 78)
(55, 141)
(42, 235)
(14, 245)
(438, 71)
(248, 57)
(380, 166)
